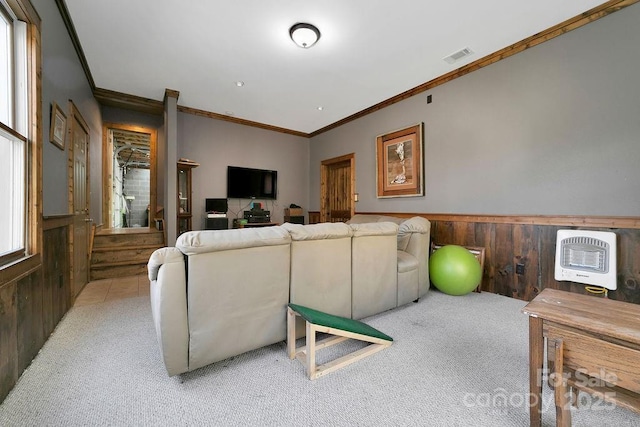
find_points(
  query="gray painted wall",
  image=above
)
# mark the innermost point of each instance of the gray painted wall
(217, 144)
(553, 130)
(62, 80)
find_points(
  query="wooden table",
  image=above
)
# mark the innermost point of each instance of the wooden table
(597, 336)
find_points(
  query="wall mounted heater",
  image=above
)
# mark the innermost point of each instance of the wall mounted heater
(588, 257)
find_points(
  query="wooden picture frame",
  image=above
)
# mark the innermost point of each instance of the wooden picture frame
(400, 164)
(58, 126)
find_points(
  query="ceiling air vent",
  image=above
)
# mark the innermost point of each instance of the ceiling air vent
(456, 56)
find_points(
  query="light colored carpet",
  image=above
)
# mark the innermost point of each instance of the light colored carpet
(455, 361)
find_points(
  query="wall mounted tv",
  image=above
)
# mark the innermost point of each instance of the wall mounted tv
(247, 183)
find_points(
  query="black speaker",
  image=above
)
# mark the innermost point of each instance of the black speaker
(216, 205)
(216, 223)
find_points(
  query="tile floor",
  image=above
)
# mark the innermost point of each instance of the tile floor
(112, 289)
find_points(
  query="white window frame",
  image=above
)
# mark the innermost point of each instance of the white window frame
(13, 130)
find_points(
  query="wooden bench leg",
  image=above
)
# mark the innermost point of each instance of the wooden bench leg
(311, 350)
(291, 333)
(561, 394)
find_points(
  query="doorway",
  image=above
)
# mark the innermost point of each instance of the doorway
(129, 176)
(337, 188)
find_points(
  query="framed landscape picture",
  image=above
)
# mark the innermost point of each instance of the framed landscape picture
(399, 161)
(58, 127)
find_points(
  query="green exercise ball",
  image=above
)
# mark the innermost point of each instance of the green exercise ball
(454, 270)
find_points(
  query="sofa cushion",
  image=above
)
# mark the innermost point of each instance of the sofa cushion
(364, 218)
(374, 229)
(198, 242)
(321, 231)
(406, 262)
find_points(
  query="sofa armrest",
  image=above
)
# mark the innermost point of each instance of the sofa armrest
(168, 296)
(414, 237)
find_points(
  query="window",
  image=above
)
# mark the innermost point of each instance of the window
(13, 142)
(6, 72)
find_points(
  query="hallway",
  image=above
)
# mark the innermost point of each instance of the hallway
(103, 290)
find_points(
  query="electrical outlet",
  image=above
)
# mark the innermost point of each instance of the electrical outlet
(520, 269)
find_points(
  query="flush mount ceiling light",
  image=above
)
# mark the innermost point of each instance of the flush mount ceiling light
(304, 35)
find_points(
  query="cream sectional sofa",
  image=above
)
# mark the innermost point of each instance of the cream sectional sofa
(413, 253)
(220, 293)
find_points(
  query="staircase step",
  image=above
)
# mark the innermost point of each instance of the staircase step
(114, 271)
(104, 265)
(119, 248)
(128, 256)
(123, 252)
(132, 239)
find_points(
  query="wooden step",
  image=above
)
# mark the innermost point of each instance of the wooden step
(119, 248)
(110, 272)
(132, 239)
(123, 252)
(112, 254)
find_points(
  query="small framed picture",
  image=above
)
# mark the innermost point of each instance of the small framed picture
(58, 128)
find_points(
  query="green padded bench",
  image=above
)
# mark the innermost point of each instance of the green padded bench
(341, 328)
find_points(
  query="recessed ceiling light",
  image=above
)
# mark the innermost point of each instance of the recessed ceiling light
(239, 83)
(320, 108)
(229, 113)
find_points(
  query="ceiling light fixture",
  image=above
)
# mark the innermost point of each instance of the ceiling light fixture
(304, 35)
(239, 83)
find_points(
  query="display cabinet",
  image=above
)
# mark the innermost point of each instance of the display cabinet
(185, 195)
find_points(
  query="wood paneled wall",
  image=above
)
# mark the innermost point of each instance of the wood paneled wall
(32, 306)
(531, 242)
(533, 246)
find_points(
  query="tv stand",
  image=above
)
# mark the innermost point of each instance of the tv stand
(238, 224)
(257, 216)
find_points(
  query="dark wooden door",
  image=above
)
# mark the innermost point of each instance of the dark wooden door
(337, 189)
(79, 199)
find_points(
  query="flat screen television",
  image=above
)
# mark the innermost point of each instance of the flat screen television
(247, 183)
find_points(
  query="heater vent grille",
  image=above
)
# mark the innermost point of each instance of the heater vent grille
(585, 253)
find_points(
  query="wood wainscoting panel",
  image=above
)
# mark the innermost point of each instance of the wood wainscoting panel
(56, 297)
(34, 303)
(520, 250)
(520, 257)
(8, 339)
(31, 336)
(628, 265)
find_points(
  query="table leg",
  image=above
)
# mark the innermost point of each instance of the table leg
(536, 355)
(562, 391)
